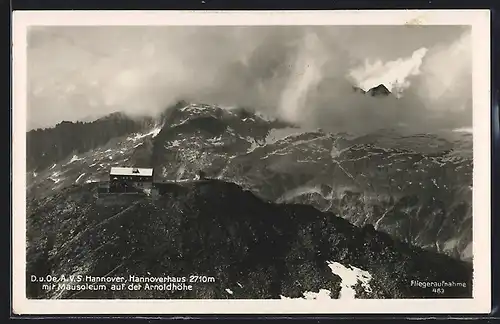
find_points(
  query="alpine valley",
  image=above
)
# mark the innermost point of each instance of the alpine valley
(286, 212)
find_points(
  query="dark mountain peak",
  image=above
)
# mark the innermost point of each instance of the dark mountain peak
(379, 91)
(234, 117)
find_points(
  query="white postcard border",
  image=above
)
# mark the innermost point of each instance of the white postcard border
(478, 19)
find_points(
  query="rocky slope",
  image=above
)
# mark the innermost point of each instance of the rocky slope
(48, 146)
(247, 248)
(416, 187)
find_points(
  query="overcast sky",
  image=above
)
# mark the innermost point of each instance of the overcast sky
(302, 74)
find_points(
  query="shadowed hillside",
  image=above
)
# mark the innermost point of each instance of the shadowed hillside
(213, 228)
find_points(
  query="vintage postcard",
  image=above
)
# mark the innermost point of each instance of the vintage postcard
(251, 162)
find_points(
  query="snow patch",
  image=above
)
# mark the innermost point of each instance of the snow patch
(175, 143)
(180, 181)
(276, 134)
(153, 133)
(81, 175)
(215, 141)
(434, 182)
(323, 294)
(350, 276)
(229, 291)
(73, 159)
(253, 144)
(156, 131)
(55, 164)
(194, 108)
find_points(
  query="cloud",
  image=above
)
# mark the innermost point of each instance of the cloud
(306, 74)
(302, 74)
(446, 81)
(393, 74)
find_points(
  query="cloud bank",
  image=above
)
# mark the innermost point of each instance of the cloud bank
(393, 74)
(301, 74)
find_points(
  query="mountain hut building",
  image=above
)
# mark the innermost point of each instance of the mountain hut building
(125, 179)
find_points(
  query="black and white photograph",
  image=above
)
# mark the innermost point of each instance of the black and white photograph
(280, 162)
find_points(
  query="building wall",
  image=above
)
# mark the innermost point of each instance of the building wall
(131, 178)
(121, 183)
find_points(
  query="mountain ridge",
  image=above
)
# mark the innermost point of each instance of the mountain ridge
(416, 187)
(252, 248)
(46, 146)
